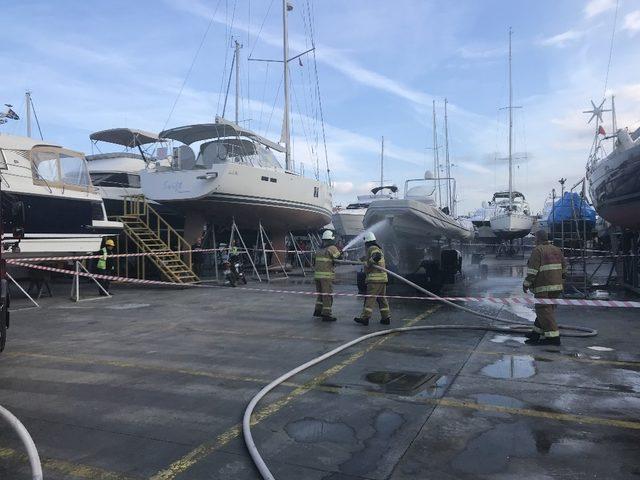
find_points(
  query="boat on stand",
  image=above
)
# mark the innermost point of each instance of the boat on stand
(62, 211)
(512, 218)
(419, 229)
(221, 173)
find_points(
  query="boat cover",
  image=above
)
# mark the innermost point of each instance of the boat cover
(127, 137)
(563, 209)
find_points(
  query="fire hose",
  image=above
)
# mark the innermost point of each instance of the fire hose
(516, 327)
(32, 451)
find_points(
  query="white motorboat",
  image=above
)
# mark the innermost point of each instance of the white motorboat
(348, 221)
(512, 217)
(235, 176)
(63, 212)
(116, 175)
(410, 225)
(481, 220)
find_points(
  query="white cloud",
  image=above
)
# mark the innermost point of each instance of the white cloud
(596, 7)
(343, 187)
(562, 39)
(632, 22)
(475, 52)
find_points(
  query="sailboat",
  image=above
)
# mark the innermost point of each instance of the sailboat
(348, 221)
(223, 172)
(512, 218)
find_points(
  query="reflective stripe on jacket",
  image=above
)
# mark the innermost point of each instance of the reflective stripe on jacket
(545, 270)
(324, 264)
(102, 261)
(373, 274)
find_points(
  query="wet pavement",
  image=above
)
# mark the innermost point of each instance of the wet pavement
(152, 384)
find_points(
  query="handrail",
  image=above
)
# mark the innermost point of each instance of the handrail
(140, 201)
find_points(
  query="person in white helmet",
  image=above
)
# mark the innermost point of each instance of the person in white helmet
(376, 283)
(324, 274)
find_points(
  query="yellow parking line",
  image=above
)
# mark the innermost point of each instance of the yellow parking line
(67, 468)
(183, 464)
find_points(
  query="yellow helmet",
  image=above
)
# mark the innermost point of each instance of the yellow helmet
(110, 243)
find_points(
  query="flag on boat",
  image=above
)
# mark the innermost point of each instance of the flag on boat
(601, 131)
(11, 114)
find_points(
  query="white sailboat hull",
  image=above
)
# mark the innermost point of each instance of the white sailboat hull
(509, 226)
(279, 200)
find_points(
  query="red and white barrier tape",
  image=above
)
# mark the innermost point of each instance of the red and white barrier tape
(494, 300)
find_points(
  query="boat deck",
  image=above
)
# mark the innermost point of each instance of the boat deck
(152, 384)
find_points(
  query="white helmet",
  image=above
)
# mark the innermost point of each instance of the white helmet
(369, 237)
(328, 235)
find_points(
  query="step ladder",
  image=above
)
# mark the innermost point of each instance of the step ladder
(152, 234)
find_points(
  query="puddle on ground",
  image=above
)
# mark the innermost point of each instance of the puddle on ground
(491, 451)
(435, 388)
(128, 306)
(386, 424)
(311, 430)
(511, 366)
(600, 349)
(507, 338)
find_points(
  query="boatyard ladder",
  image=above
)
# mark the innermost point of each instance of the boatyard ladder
(297, 252)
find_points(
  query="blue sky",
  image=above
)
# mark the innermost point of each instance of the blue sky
(97, 65)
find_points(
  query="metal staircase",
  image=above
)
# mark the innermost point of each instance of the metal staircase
(152, 234)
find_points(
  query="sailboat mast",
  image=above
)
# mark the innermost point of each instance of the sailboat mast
(436, 160)
(382, 164)
(510, 129)
(285, 54)
(237, 54)
(27, 100)
(447, 162)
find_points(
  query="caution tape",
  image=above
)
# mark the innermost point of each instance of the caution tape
(493, 300)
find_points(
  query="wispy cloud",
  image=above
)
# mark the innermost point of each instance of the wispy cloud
(562, 39)
(596, 7)
(632, 22)
(475, 52)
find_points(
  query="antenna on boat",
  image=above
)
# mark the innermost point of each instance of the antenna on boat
(510, 128)
(382, 163)
(436, 160)
(238, 46)
(447, 162)
(29, 107)
(286, 134)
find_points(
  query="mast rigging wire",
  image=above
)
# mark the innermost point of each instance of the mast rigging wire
(193, 61)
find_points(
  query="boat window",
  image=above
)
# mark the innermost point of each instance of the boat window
(45, 166)
(316, 191)
(354, 206)
(59, 167)
(74, 171)
(115, 179)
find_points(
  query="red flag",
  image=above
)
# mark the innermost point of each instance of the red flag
(601, 131)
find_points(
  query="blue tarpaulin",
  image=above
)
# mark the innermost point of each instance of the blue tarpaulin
(571, 206)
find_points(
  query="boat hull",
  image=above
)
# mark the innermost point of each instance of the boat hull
(415, 222)
(347, 223)
(614, 186)
(510, 226)
(279, 200)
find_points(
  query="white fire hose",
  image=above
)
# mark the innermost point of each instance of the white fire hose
(32, 451)
(517, 327)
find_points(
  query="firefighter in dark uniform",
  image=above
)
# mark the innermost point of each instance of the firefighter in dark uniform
(376, 281)
(546, 270)
(106, 265)
(324, 274)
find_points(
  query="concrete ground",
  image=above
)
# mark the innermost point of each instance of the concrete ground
(152, 384)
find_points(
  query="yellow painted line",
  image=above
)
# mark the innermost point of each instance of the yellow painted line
(83, 360)
(563, 358)
(527, 412)
(465, 404)
(185, 463)
(66, 468)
